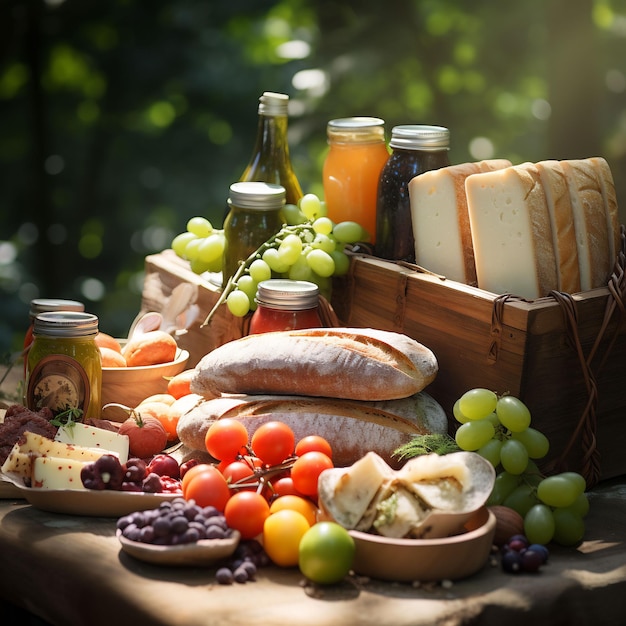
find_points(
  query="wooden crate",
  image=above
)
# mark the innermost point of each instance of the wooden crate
(163, 273)
(528, 349)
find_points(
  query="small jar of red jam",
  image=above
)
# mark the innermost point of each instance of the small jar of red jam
(285, 305)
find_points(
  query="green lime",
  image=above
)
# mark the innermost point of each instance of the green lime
(326, 553)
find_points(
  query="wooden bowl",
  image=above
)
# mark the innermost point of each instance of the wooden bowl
(130, 385)
(203, 552)
(426, 560)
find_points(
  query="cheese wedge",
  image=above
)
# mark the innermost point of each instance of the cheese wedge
(95, 438)
(609, 196)
(51, 472)
(441, 228)
(562, 222)
(511, 232)
(590, 223)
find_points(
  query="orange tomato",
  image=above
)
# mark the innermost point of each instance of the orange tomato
(302, 505)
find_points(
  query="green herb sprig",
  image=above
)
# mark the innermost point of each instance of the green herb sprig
(427, 444)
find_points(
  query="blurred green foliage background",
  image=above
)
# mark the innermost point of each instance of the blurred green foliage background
(121, 119)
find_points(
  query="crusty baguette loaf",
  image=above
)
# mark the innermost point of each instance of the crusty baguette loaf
(441, 228)
(562, 222)
(352, 428)
(421, 409)
(590, 223)
(511, 232)
(350, 363)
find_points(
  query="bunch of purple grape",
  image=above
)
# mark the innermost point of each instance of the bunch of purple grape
(242, 566)
(519, 555)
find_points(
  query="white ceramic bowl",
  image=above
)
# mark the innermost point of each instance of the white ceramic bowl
(426, 560)
(130, 385)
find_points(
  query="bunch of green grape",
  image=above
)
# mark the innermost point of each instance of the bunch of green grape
(309, 246)
(498, 428)
(202, 245)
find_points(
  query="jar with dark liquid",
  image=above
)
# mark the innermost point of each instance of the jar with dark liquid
(415, 149)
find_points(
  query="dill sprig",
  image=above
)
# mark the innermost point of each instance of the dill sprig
(433, 443)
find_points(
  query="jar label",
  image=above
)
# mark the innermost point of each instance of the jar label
(58, 382)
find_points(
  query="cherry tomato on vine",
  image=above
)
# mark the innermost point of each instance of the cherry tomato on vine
(225, 439)
(273, 442)
(315, 443)
(246, 512)
(207, 487)
(283, 486)
(238, 471)
(306, 470)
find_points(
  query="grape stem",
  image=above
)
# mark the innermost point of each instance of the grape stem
(243, 266)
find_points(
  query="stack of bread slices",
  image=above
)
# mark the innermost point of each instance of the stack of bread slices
(524, 229)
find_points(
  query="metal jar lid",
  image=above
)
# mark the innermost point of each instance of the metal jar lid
(273, 104)
(287, 295)
(420, 137)
(356, 129)
(65, 324)
(44, 305)
(257, 195)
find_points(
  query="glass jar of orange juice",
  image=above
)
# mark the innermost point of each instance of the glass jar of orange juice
(356, 156)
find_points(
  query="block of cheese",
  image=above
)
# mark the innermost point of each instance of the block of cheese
(511, 232)
(609, 196)
(50, 472)
(562, 223)
(24, 452)
(590, 223)
(441, 229)
(92, 437)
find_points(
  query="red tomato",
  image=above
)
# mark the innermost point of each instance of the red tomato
(283, 487)
(207, 487)
(225, 439)
(315, 443)
(306, 470)
(239, 471)
(246, 512)
(273, 442)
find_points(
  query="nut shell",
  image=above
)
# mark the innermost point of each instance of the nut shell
(508, 523)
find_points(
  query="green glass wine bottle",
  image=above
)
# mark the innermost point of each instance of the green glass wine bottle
(270, 161)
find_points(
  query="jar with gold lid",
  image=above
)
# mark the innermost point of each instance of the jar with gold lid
(64, 369)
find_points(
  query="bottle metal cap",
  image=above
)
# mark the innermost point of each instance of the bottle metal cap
(273, 104)
(257, 195)
(420, 137)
